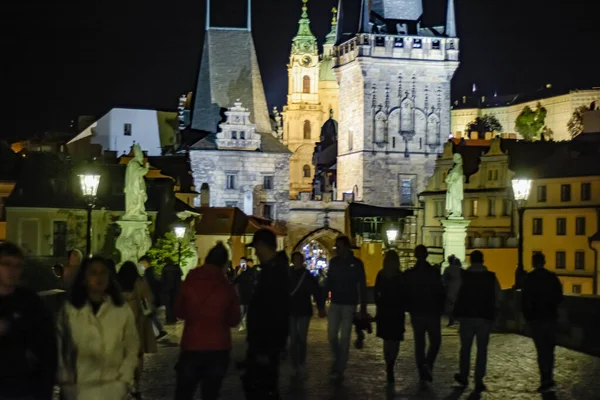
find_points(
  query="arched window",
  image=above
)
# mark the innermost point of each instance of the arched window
(306, 84)
(205, 195)
(307, 129)
(306, 171)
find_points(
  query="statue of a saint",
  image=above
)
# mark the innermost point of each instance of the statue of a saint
(454, 191)
(135, 186)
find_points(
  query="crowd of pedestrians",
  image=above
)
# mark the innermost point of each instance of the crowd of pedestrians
(94, 348)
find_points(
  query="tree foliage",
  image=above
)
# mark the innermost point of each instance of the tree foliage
(487, 123)
(167, 248)
(575, 124)
(530, 123)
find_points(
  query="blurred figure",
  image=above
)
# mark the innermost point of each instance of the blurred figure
(245, 283)
(138, 295)
(346, 280)
(97, 337)
(112, 267)
(74, 257)
(303, 286)
(209, 307)
(476, 308)
(451, 280)
(390, 301)
(170, 283)
(154, 284)
(28, 353)
(425, 300)
(542, 294)
(268, 319)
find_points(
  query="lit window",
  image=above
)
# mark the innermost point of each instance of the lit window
(406, 198)
(127, 129)
(230, 182)
(474, 208)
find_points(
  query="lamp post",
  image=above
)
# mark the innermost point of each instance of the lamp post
(392, 235)
(89, 188)
(180, 234)
(521, 189)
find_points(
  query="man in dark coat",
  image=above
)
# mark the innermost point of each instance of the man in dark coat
(267, 319)
(425, 298)
(170, 284)
(303, 286)
(28, 350)
(542, 294)
(476, 308)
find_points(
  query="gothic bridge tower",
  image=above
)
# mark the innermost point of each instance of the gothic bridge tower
(394, 77)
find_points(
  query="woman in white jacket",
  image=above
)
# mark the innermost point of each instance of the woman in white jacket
(97, 337)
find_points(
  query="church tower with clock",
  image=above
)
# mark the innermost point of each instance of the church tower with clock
(309, 74)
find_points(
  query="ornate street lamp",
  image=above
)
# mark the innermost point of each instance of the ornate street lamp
(89, 188)
(392, 235)
(180, 234)
(521, 189)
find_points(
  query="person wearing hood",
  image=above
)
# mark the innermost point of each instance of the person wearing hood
(267, 319)
(389, 298)
(209, 307)
(426, 298)
(303, 286)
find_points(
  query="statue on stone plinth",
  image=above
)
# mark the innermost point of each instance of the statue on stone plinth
(454, 192)
(135, 187)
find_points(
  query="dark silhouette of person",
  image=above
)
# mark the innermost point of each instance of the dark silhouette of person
(476, 308)
(542, 294)
(426, 299)
(170, 284)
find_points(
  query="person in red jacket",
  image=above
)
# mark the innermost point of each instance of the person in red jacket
(209, 306)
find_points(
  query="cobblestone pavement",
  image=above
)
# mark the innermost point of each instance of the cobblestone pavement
(512, 371)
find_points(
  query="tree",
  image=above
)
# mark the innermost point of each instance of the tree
(487, 123)
(529, 123)
(575, 124)
(167, 248)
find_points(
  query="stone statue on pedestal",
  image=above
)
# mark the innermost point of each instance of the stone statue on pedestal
(135, 187)
(454, 192)
(134, 240)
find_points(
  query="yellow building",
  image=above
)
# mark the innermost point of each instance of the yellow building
(561, 216)
(312, 98)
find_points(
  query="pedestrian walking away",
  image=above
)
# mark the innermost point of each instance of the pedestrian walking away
(451, 279)
(476, 308)
(542, 295)
(303, 286)
(391, 305)
(267, 320)
(170, 283)
(425, 301)
(209, 307)
(138, 296)
(97, 337)
(27, 334)
(245, 283)
(346, 281)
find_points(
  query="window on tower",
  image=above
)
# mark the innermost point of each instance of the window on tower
(306, 84)
(435, 45)
(307, 129)
(306, 171)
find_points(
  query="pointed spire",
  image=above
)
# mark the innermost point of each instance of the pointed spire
(451, 20)
(331, 36)
(304, 41)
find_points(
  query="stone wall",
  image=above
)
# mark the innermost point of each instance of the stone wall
(579, 321)
(249, 168)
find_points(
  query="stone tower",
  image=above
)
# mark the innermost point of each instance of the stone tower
(394, 78)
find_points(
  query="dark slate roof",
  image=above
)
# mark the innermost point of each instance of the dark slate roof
(229, 221)
(269, 144)
(509, 99)
(177, 167)
(348, 19)
(229, 71)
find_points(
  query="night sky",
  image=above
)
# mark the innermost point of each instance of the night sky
(69, 57)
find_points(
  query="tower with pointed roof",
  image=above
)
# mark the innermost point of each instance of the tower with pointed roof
(312, 93)
(394, 75)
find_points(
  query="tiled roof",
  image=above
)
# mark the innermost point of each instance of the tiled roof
(177, 167)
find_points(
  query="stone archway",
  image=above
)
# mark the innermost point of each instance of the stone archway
(323, 236)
